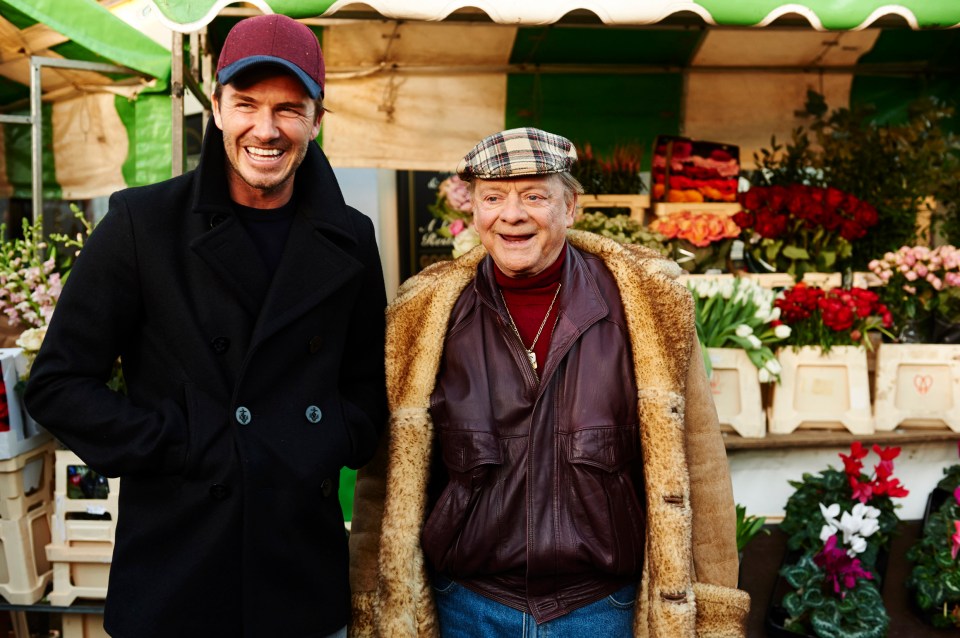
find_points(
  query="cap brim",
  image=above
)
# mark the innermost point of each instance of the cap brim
(230, 72)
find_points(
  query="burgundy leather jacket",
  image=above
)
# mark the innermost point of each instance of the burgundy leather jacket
(536, 491)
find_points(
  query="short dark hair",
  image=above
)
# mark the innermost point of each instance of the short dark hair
(247, 78)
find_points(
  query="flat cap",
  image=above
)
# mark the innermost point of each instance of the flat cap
(516, 153)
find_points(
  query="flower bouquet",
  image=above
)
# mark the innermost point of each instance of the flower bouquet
(699, 241)
(739, 313)
(922, 287)
(618, 174)
(29, 282)
(799, 228)
(836, 317)
(935, 578)
(454, 209)
(839, 525)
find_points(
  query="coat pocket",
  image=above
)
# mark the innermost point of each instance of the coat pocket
(206, 429)
(468, 500)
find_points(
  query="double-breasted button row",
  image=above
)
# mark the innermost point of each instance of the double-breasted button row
(326, 488)
(220, 344)
(244, 416)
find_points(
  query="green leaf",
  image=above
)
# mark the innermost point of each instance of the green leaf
(795, 252)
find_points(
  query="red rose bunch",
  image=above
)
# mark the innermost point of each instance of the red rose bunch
(799, 228)
(840, 316)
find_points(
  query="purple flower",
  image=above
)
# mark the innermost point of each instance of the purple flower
(840, 568)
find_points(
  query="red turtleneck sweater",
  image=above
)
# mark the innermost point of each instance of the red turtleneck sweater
(527, 300)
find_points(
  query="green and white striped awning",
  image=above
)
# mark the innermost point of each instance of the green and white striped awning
(98, 136)
(417, 86)
(190, 15)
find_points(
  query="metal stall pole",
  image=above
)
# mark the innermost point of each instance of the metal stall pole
(36, 113)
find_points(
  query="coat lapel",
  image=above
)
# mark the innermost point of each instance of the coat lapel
(228, 250)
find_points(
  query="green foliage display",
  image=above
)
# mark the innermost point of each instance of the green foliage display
(894, 167)
(935, 578)
(858, 614)
(617, 174)
(621, 228)
(748, 526)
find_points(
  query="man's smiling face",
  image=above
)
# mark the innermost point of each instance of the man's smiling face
(522, 222)
(267, 123)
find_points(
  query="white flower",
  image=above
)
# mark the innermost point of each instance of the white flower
(764, 376)
(465, 240)
(857, 546)
(773, 366)
(755, 343)
(782, 331)
(31, 339)
(743, 330)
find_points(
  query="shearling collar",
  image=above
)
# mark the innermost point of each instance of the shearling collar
(318, 194)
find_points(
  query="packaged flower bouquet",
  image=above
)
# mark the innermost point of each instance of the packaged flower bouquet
(828, 318)
(922, 288)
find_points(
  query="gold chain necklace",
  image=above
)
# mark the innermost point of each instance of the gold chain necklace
(530, 353)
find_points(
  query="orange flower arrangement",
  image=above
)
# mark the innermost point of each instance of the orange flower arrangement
(700, 229)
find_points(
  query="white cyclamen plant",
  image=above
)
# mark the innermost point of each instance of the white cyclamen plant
(856, 525)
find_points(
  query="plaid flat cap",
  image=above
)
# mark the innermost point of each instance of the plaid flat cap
(517, 152)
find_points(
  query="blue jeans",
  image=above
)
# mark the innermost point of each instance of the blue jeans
(466, 614)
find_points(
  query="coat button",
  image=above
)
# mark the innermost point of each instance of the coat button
(243, 416)
(314, 414)
(217, 219)
(219, 491)
(315, 344)
(220, 344)
(326, 488)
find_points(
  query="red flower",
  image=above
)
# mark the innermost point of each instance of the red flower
(743, 219)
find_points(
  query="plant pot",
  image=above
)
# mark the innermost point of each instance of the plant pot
(917, 386)
(822, 390)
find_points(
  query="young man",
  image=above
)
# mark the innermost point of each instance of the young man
(554, 465)
(245, 300)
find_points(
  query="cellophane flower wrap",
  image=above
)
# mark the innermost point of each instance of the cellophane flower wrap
(454, 209)
(699, 241)
(739, 313)
(835, 317)
(798, 228)
(839, 525)
(921, 286)
(934, 581)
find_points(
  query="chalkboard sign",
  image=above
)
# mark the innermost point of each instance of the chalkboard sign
(420, 245)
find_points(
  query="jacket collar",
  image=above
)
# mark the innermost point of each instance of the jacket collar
(580, 304)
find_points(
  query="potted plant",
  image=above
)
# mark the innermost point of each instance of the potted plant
(839, 525)
(797, 228)
(699, 241)
(824, 381)
(934, 581)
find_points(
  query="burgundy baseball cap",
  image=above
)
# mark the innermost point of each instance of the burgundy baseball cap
(273, 39)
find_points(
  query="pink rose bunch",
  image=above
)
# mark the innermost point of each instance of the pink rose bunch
(914, 266)
(29, 284)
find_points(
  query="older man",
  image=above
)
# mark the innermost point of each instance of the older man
(245, 300)
(554, 463)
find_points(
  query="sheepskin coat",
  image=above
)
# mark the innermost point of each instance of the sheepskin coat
(688, 584)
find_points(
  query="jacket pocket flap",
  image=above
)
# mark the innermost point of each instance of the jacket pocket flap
(607, 448)
(465, 450)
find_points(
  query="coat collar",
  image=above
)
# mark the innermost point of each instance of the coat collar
(316, 259)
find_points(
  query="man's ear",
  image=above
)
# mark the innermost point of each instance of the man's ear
(215, 109)
(316, 125)
(572, 209)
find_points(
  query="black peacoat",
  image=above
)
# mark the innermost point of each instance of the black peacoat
(246, 396)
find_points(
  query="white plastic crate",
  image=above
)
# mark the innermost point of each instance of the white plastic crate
(25, 570)
(81, 520)
(26, 481)
(23, 434)
(83, 626)
(79, 571)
